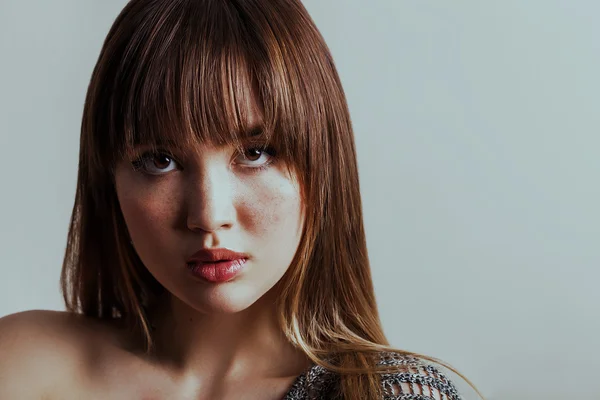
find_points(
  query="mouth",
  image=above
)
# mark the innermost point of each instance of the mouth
(217, 271)
(215, 256)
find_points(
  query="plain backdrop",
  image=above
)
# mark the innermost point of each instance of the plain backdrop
(477, 128)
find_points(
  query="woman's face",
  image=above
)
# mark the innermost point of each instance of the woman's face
(214, 198)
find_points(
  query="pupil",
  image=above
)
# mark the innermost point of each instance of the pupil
(255, 153)
(160, 158)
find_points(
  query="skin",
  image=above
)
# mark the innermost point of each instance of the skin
(215, 198)
(213, 341)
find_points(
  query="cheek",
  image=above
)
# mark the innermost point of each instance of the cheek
(273, 210)
(269, 210)
(145, 211)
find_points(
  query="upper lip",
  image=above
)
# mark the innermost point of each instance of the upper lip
(214, 255)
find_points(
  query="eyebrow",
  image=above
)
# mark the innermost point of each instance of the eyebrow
(253, 131)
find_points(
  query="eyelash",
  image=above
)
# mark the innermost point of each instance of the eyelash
(139, 162)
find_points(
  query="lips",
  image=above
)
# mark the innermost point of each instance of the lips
(222, 271)
(215, 255)
(216, 265)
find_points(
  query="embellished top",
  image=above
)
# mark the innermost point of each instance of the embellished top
(421, 382)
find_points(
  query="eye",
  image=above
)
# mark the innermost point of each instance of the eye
(154, 163)
(257, 157)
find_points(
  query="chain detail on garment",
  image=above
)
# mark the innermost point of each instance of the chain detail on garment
(422, 382)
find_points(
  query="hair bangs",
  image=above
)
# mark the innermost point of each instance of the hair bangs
(186, 80)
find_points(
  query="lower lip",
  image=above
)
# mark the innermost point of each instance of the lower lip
(215, 272)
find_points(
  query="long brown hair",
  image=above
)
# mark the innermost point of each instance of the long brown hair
(173, 70)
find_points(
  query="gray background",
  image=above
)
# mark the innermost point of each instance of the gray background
(477, 133)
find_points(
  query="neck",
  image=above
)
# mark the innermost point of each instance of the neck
(244, 345)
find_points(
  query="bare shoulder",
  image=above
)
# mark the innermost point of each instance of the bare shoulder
(416, 377)
(41, 350)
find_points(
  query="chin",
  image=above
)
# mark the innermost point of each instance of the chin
(228, 298)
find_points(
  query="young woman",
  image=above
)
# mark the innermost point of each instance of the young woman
(216, 247)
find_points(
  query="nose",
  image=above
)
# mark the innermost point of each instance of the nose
(210, 200)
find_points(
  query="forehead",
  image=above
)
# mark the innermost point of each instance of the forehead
(253, 132)
(218, 99)
(233, 122)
